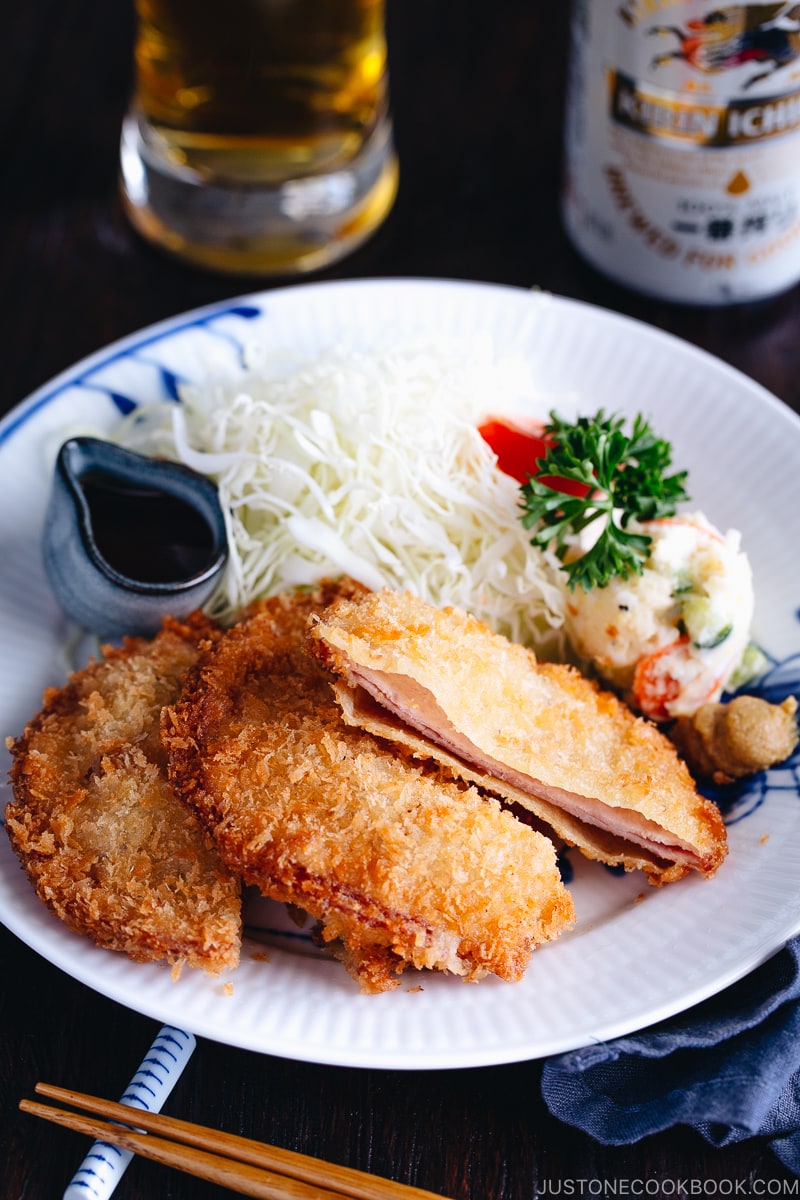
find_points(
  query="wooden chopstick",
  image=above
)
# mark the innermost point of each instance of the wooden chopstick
(248, 1167)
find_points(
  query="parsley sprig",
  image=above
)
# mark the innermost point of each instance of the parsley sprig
(625, 477)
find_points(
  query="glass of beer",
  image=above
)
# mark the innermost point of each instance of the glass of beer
(259, 137)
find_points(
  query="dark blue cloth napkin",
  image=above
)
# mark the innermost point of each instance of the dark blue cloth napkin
(730, 1068)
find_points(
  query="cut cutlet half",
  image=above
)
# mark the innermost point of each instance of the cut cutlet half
(103, 839)
(399, 866)
(445, 687)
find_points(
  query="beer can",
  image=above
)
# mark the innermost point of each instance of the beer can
(682, 146)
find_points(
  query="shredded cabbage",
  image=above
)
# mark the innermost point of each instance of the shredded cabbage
(369, 464)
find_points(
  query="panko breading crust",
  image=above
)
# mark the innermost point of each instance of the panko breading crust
(103, 839)
(449, 677)
(399, 865)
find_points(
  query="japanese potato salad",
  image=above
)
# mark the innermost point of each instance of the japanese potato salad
(413, 467)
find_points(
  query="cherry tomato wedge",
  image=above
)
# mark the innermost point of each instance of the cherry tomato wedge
(518, 445)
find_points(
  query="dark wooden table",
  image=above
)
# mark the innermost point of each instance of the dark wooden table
(478, 94)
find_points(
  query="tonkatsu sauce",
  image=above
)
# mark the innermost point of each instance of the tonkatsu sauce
(146, 534)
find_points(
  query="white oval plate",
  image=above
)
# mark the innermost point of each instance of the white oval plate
(638, 954)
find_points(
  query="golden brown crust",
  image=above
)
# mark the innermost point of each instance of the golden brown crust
(95, 824)
(543, 720)
(360, 710)
(399, 865)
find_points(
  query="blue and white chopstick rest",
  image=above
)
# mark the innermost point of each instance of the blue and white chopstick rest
(160, 1069)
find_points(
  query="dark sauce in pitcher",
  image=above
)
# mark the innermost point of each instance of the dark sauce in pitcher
(146, 534)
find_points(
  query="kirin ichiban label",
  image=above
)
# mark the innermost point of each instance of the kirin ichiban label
(683, 146)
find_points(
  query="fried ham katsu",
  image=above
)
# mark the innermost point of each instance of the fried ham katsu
(445, 687)
(398, 865)
(103, 839)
